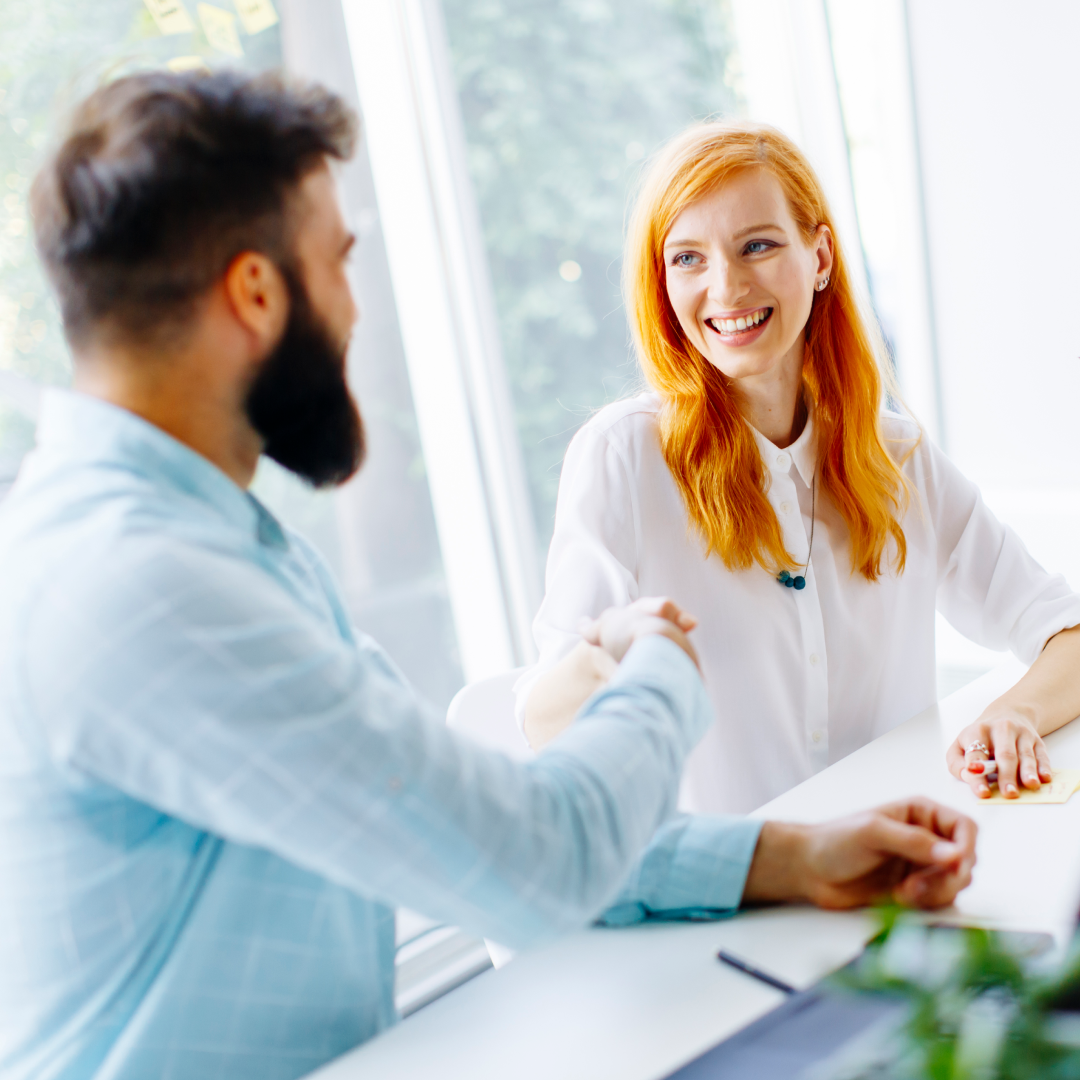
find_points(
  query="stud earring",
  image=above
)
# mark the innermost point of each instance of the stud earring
(821, 284)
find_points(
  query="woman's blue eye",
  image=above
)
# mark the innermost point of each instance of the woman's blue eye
(684, 258)
(755, 247)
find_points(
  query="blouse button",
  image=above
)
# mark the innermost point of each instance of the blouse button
(782, 461)
(817, 736)
(785, 508)
(813, 659)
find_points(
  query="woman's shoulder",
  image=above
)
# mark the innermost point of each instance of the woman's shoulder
(900, 427)
(904, 437)
(621, 438)
(625, 421)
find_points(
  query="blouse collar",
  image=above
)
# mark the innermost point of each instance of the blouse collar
(802, 452)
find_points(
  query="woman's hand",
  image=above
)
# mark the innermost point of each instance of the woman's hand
(618, 628)
(1009, 738)
(915, 852)
(560, 691)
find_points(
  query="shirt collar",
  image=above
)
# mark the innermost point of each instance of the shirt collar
(85, 429)
(802, 452)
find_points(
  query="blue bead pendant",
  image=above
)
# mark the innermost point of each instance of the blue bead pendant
(799, 582)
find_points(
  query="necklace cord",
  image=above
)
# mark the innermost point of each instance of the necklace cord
(813, 516)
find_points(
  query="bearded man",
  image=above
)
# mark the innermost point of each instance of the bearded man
(213, 791)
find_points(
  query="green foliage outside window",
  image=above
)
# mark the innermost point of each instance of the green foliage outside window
(52, 53)
(562, 101)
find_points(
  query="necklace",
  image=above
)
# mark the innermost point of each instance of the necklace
(798, 581)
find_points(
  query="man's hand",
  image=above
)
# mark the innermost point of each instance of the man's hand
(557, 695)
(917, 853)
(618, 628)
(1010, 738)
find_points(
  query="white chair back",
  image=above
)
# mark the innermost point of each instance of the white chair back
(485, 712)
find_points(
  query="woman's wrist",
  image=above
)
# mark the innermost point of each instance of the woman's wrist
(1025, 713)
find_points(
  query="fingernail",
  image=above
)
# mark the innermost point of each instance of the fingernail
(975, 766)
(943, 851)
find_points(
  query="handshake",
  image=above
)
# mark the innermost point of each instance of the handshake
(914, 852)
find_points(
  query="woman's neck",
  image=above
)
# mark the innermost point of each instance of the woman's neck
(774, 405)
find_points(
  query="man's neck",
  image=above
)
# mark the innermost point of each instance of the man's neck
(174, 397)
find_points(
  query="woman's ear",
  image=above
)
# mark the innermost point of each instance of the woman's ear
(823, 248)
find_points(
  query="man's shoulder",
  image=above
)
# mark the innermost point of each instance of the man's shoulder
(88, 537)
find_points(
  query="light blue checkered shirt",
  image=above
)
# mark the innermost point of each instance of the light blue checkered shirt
(213, 792)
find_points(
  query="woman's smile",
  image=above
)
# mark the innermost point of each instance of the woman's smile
(740, 328)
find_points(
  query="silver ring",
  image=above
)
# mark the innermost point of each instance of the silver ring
(977, 745)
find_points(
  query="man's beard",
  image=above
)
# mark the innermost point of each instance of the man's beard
(300, 402)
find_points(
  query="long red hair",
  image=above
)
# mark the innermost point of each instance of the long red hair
(708, 445)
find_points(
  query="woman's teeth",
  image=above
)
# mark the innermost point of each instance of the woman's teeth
(743, 322)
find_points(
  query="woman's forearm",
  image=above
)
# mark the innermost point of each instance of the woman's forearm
(1049, 694)
(559, 693)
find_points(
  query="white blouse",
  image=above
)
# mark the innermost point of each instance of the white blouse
(798, 678)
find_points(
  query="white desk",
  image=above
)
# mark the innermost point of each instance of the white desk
(636, 1003)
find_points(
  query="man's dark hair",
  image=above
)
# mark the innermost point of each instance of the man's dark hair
(162, 180)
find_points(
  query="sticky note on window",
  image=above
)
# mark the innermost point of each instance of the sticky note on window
(220, 29)
(256, 15)
(171, 16)
(1059, 790)
(187, 63)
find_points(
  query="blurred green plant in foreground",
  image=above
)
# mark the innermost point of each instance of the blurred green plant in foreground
(979, 1006)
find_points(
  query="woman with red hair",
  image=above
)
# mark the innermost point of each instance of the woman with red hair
(763, 484)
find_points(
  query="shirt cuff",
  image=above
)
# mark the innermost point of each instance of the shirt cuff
(695, 868)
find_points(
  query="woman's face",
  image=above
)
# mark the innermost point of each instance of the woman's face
(740, 277)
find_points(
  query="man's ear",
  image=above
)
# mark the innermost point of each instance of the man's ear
(259, 298)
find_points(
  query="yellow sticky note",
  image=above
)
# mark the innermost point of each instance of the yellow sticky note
(187, 63)
(220, 29)
(1059, 790)
(171, 16)
(256, 15)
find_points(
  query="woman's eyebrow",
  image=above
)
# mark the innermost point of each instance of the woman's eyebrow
(757, 228)
(767, 227)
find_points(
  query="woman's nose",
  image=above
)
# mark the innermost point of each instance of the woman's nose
(727, 283)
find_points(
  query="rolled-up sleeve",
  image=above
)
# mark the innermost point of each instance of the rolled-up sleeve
(695, 868)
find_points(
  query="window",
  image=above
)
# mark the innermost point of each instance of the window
(562, 103)
(378, 532)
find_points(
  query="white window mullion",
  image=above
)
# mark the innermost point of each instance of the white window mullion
(447, 345)
(790, 83)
